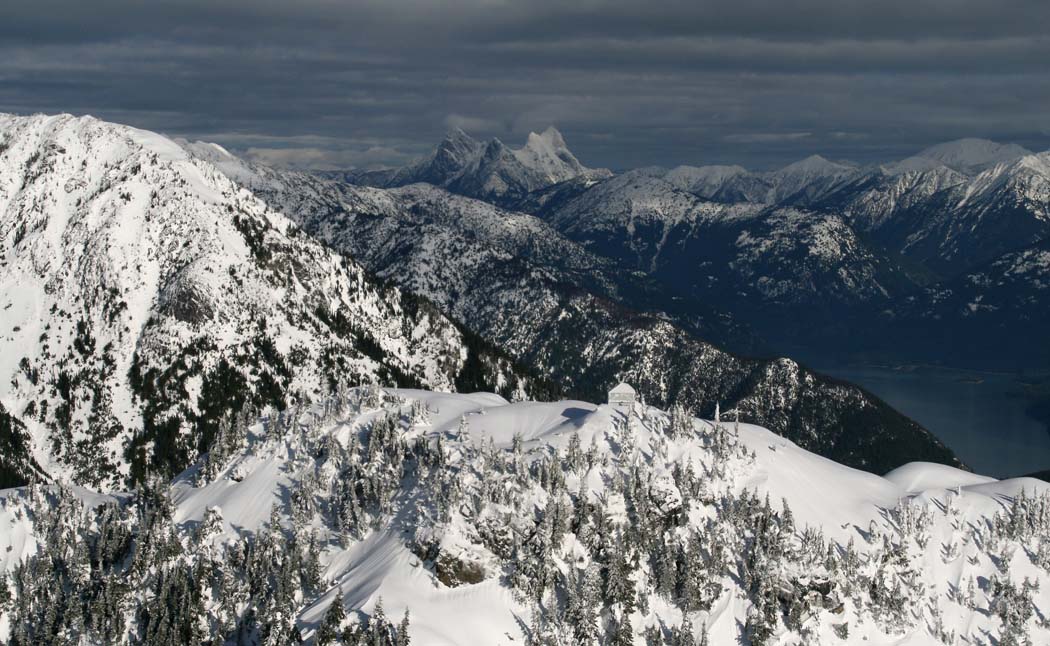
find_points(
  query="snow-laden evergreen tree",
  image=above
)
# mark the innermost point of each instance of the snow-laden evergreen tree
(331, 626)
(606, 552)
(403, 636)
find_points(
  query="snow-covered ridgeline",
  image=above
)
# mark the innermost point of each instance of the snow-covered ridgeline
(143, 294)
(552, 523)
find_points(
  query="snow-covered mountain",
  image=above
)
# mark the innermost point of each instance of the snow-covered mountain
(811, 253)
(455, 152)
(808, 178)
(972, 156)
(1012, 289)
(947, 209)
(571, 315)
(491, 171)
(945, 221)
(739, 255)
(145, 297)
(380, 516)
(701, 180)
(439, 244)
(798, 181)
(811, 178)
(547, 155)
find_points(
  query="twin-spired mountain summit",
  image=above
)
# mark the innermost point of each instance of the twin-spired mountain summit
(489, 170)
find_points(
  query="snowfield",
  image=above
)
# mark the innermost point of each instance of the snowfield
(568, 522)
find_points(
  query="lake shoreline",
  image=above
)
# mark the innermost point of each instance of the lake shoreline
(992, 419)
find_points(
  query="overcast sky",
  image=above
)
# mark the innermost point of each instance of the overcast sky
(339, 83)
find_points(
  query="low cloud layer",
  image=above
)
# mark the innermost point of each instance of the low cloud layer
(370, 83)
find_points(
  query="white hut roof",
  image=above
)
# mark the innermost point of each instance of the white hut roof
(622, 389)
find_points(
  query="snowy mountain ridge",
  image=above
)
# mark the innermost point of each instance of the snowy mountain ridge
(971, 154)
(803, 178)
(768, 247)
(382, 514)
(726, 252)
(145, 296)
(815, 178)
(573, 315)
(948, 221)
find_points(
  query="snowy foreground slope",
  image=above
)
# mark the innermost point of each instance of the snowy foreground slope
(544, 523)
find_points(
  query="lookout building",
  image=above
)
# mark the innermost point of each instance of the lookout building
(622, 395)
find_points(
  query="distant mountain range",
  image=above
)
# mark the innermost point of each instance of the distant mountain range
(153, 291)
(892, 258)
(948, 227)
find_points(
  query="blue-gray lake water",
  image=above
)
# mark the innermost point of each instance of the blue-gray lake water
(974, 413)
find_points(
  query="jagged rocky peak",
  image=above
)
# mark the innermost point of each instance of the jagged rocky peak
(494, 149)
(456, 136)
(488, 170)
(457, 147)
(551, 138)
(548, 154)
(553, 135)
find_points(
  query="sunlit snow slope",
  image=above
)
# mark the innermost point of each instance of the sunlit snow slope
(567, 522)
(144, 297)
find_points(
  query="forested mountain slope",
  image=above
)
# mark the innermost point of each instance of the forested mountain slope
(145, 298)
(562, 310)
(381, 515)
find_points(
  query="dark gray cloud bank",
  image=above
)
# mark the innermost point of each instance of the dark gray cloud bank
(327, 83)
